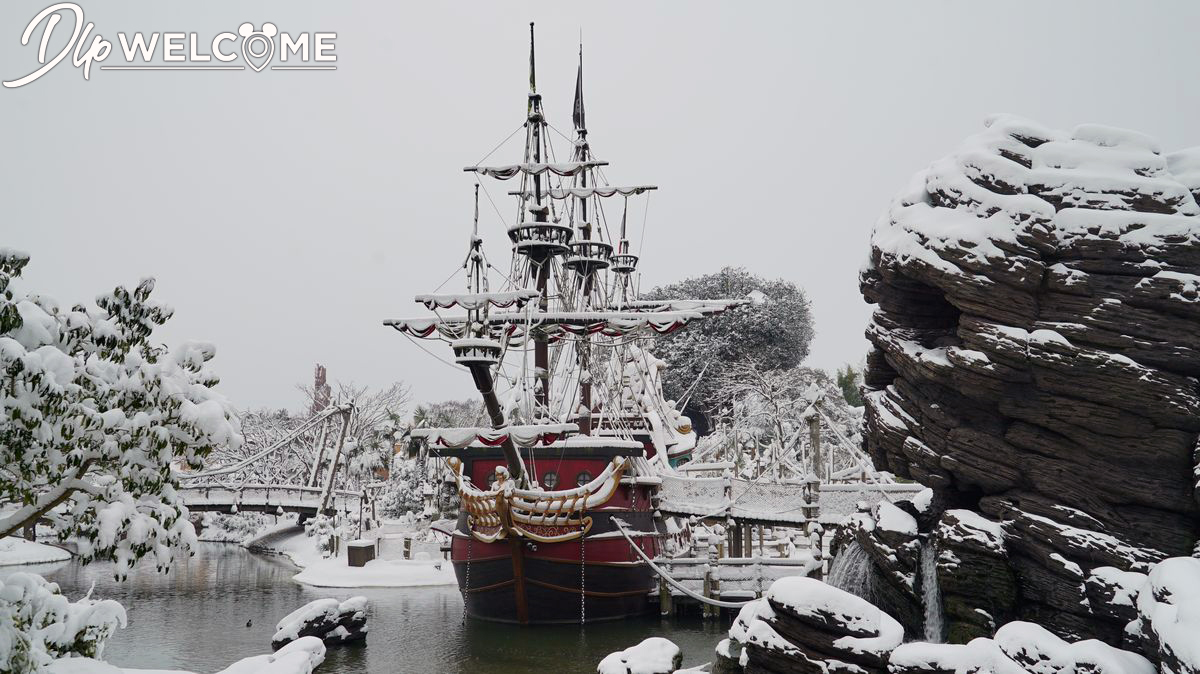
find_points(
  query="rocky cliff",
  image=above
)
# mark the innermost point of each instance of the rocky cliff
(1036, 348)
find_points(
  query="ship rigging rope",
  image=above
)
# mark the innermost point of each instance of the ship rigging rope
(858, 455)
(421, 347)
(674, 583)
(727, 509)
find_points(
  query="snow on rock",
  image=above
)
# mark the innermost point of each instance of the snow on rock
(335, 572)
(891, 518)
(977, 585)
(1035, 353)
(889, 537)
(14, 551)
(1113, 592)
(298, 657)
(804, 624)
(655, 655)
(333, 621)
(977, 656)
(1018, 648)
(1167, 628)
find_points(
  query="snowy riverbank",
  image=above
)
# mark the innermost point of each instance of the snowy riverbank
(18, 551)
(289, 540)
(299, 657)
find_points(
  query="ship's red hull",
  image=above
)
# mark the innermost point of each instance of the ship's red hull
(520, 581)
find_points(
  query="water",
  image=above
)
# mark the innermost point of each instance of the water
(194, 618)
(931, 594)
(851, 571)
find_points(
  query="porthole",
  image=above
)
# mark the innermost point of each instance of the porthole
(550, 479)
(583, 478)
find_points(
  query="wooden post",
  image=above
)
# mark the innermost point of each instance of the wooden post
(327, 491)
(664, 597)
(320, 456)
(748, 540)
(760, 540)
(814, 439)
(31, 531)
(712, 584)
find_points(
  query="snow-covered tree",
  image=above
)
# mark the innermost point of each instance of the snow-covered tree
(93, 415)
(374, 427)
(413, 470)
(449, 414)
(763, 421)
(774, 330)
(848, 379)
(39, 625)
(370, 438)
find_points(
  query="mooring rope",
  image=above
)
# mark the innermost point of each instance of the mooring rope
(678, 585)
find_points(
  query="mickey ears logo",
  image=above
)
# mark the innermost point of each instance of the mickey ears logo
(258, 47)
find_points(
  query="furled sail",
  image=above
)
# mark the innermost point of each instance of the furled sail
(521, 436)
(473, 301)
(706, 307)
(586, 192)
(564, 169)
(553, 325)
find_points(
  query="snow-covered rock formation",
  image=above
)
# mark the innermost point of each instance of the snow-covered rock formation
(327, 619)
(1035, 360)
(804, 625)
(655, 655)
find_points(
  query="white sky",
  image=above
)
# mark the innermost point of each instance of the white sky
(286, 214)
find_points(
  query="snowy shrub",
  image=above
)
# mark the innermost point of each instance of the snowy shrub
(92, 417)
(38, 624)
(323, 528)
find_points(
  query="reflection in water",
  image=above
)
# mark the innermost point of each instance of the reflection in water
(194, 618)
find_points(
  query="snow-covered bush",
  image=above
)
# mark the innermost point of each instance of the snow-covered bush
(38, 624)
(324, 528)
(93, 415)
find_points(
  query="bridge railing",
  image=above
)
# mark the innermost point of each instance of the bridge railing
(288, 497)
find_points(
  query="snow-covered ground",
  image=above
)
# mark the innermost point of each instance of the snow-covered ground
(15, 550)
(335, 572)
(290, 541)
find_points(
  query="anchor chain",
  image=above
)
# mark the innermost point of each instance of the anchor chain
(582, 578)
(467, 583)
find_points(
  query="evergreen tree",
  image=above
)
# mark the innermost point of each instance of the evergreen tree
(94, 418)
(848, 380)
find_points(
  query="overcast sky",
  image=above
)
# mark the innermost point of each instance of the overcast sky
(286, 214)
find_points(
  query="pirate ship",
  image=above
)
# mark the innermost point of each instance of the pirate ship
(579, 430)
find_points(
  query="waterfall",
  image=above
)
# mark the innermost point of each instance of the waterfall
(851, 571)
(931, 593)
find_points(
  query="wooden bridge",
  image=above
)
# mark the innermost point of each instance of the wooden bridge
(219, 489)
(267, 498)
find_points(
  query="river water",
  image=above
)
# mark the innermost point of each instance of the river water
(194, 618)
